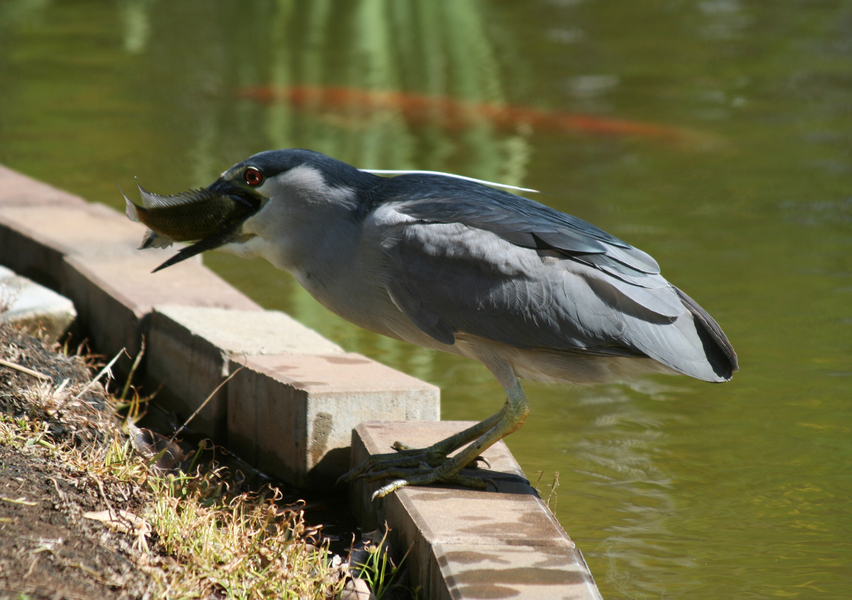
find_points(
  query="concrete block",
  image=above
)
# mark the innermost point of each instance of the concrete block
(463, 540)
(190, 347)
(34, 307)
(35, 239)
(292, 416)
(20, 190)
(510, 571)
(32, 258)
(250, 332)
(113, 295)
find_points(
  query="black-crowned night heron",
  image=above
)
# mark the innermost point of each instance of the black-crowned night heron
(457, 266)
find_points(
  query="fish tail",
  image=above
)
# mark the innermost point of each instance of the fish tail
(130, 209)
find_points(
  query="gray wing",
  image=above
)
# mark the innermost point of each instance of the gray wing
(531, 280)
(521, 221)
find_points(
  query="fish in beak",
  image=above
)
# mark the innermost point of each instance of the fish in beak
(210, 217)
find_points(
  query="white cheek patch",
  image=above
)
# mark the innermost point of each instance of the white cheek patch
(291, 223)
(309, 184)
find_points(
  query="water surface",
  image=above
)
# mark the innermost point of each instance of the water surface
(672, 488)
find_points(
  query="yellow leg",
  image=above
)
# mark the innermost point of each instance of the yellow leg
(431, 465)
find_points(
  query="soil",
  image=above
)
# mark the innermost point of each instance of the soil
(50, 546)
(48, 549)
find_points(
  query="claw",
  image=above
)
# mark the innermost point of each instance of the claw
(483, 459)
(388, 489)
(490, 480)
(431, 476)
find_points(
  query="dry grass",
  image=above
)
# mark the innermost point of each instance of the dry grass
(242, 545)
(190, 533)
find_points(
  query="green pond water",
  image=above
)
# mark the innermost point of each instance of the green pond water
(672, 488)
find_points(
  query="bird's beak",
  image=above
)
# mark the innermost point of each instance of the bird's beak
(210, 217)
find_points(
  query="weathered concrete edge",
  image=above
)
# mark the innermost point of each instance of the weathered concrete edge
(322, 397)
(498, 543)
(65, 259)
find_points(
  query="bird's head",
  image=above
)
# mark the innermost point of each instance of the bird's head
(269, 196)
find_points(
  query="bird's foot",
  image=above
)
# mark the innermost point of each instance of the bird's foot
(400, 447)
(425, 475)
(415, 466)
(405, 457)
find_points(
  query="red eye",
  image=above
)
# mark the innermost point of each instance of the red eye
(253, 176)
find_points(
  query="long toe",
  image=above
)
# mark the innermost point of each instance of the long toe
(426, 477)
(376, 465)
(420, 466)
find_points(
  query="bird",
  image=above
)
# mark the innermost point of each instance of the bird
(455, 265)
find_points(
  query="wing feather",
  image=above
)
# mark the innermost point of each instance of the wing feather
(455, 277)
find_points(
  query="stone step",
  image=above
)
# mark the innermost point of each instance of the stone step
(503, 542)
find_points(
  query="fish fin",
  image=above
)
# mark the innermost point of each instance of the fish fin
(130, 208)
(151, 200)
(153, 239)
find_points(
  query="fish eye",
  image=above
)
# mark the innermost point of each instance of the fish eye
(253, 176)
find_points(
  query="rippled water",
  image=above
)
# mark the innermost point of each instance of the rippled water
(713, 134)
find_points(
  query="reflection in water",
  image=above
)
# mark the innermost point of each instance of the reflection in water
(353, 105)
(723, 19)
(444, 52)
(617, 452)
(17, 13)
(137, 25)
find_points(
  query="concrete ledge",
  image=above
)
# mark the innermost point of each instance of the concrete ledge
(250, 332)
(34, 307)
(293, 416)
(20, 190)
(114, 294)
(190, 349)
(470, 543)
(35, 239)
(510, 571)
